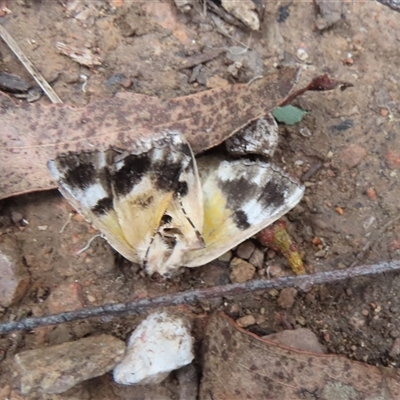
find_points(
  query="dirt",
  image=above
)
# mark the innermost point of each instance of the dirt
(350, 139)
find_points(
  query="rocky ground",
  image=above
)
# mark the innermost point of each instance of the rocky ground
(346, 150)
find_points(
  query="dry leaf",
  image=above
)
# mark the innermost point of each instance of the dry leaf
(244, 11)
(33, 134)
(81, 56)
(240, 365)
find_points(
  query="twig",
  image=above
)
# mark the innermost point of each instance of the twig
(66, 223)
(254, 79)
(197, 59)
(141, 306)
(87, 245)
(311, 171)
(12, 44)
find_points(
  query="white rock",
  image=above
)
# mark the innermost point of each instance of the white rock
(301, 54)
(159, 345)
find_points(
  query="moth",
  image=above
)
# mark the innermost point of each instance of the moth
(161, 207)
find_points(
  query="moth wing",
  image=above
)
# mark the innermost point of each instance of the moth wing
(125, 195)
(146, 187)
(240, 198)
(180, 230)
(85, 181)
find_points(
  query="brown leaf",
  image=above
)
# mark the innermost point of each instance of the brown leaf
(33, 134)
(240, 365)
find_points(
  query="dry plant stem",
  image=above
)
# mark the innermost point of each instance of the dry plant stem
(197, 59)
(12, 44)
(141, 306)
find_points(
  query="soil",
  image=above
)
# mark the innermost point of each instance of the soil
(350, 139)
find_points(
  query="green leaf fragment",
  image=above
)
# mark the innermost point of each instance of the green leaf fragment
(288, 115)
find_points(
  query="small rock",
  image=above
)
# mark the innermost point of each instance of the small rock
(384, 112)
(159, 345)
(273, 293)
(216, 81)
(310, 298)
(234, 310)
(352, 155)
(274, 271)
(66, 297)
(257, 258)
(16, 217)
(13, 83)
(371, 193)
(287, 297)
(195, 73)
(300, 339)
(242, 271)
(246, 321)
(394, 333)
(234, 69)
(301, 54)
(245, 250)
(393, 159)
(215, 275)
(395, 350)
(14, 277)
(330, 13)
(58, 368)
(320, 253)
(226, 257)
